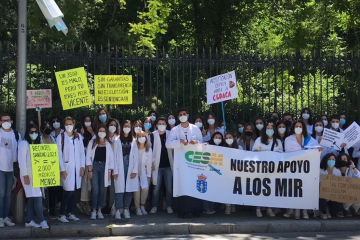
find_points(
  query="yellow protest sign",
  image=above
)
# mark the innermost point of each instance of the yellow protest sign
(73, 88)
(45, 165)
(113, 89)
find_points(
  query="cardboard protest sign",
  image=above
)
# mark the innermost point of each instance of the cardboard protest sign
(221, 88)
(45, 165)
(38, 98)
(113, 89)
(332, 139)
(352, 135)
(340, 189)
(73, 88)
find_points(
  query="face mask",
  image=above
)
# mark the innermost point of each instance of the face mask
(211, 121)
(87, 124)
(288, 123)
(126, 130)
(33, 136)
(102, 134)
(249, 134)
(138, 129)
(199, 124)
(335, 125)
(217, 141)
(183, 119)
(222, 127)
(141, 139)
(229, 141)
(241, 129)
(147, 126)
(331, 163)
(269, 132)
(56, 125)
(282, 130)
(319, 129)
(342, 121)
(259, 126)
(343, 164)
(112, 129)
(153, 118)
(161, 128)
(325, 122)
(69, 128)
(6, 125)
(47, 131)
(171, 121)
(103, 118)
(298, 130)
(305, 116)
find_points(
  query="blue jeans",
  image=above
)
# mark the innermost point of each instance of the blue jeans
(167, 174)
(123, 200)
(34, 204)
(6, 184)
(98, 186)
(208, 206)
(67, 202)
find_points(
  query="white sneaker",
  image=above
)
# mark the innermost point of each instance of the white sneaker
(270, 213)
(126, 214)
(153, 210)
(2, 224)
(138, 212)
(233, 208)
(258, 213)
(72, 217)
(144, 212)
(323, 216)
(117, 214)
(100, 215)
(305, 214)
(63, 219)
(169, 210)
(228, 209)
(328, 215)
(209, 212)
(93, 215)
(8, 222)
(32, 224)
(44, 225)
(289, 213)
(113, 210)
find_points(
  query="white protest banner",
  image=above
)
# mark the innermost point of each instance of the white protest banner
(231, 176)
(351, 135)
(221, 88)
(332, 139)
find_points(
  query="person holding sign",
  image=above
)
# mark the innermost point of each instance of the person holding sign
(248, 137)
(100, 163)
(33, 195)
(72, 165)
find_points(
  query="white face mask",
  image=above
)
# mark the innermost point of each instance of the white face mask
(211, 121)
(199, 124)
(335, 125)
(319, 129)
(282, 130)
(325, 122)
(217, 141)
(112, 129)
(183, 119)
(56, 125)
(259, 126)
(126, 130)
(162, 128)
(6, 125)
(171, 121)
(229, 141)
(102, 134)
(87, 124)
(141, 139)
(138, 129)
(298, 130)
(305, 116)
(69, 128)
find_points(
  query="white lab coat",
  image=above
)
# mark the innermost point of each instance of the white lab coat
(109, 164)
(259, 146)
(207, 137)
(309, 129)
(177, 134)
(52, 134)
(291, 144)
(132, 185)
(157, 154)
(119, 184)
(24, 159)
(71, 161)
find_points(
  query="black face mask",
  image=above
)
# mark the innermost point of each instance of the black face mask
(47, 131)
(344, 164)
(288, 123)
(249, 134)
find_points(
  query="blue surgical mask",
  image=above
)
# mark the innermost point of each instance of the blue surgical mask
(103, 118)
(33, 136)
(325, 122)
(153, 118)
(269, 132)
(342, 121)
(331, 163)
(241, 129)
(147, 126)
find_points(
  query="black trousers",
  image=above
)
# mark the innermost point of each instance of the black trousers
(334, 207)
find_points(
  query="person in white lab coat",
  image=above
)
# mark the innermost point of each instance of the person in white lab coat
(33, 195)
(141, 151)
(72, 166)
(137, 127)
(307, 117)
(163, 163)
(248, 137)
(100, 163)
(298, 140)
(259, 126)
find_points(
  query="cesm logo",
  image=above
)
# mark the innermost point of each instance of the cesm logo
(205, 158)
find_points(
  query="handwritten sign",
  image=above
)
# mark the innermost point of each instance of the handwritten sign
(332, 139)
(352, 135)
(73, 88)
(340, 189)
(45, 165)
(221, 88)
(38, 98)
(113, 89)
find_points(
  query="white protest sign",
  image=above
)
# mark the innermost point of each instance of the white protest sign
(232, 176)
(352, 135)
(332, 139)
(221, 88)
